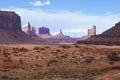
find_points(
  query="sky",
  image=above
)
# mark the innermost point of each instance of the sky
(74, 17)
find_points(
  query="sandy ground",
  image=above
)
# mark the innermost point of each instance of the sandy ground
(58, 62)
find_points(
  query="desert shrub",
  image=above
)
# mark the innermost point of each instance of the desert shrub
(15, 50)
(23, 78)
(53, 70)
(58, 50)
(90, 75)
(89, 59)
(69, 75)
(38, 65)
(47, 47)
(36, 48)
(4, 77)
(42, 49)
(64, 56)
(39, 76)
(49, 76)
(23, 49)
(113, 56)
(7, 59)
(20, 61)
(13, 78)
(77, 46)
(64, 46)
(5, 54)
(111, 62)
(64, 75)
(51, 62)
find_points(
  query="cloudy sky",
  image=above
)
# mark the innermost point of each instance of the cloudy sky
(74, 17)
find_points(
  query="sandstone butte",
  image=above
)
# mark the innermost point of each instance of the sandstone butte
(11, 31)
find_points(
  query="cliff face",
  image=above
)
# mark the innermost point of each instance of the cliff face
(10, 21)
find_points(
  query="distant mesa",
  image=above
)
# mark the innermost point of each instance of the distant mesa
(91, 32)
(36, 33)
(44, 30)
(44, 33)
(60, 35)
(109, 37)
(11, 31)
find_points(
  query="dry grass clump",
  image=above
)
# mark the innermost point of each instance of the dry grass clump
(56, 62)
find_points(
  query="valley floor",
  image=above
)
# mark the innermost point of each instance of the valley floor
(59, 62)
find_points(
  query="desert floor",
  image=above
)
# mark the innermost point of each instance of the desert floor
(59, 62)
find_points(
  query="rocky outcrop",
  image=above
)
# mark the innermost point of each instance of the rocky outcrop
(10, 21)
(109, 37)
(11, 31)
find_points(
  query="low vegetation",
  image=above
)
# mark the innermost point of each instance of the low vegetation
(64, 46)
(23, 49)
(73, 62)
(113, 56)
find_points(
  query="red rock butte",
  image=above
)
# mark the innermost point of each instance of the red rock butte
(11, 31)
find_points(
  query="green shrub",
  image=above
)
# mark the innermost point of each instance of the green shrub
(111, 62)
(49, 76)
(15, 50)
(47, 47)
(77, 46)
(4, 77)
(91, 75)
(51, 62)
(64, 46)
(6, 54)
(42, 49)
(36, 48)
(23, 49)
(89, 59)
(39, 77)
(113, 57)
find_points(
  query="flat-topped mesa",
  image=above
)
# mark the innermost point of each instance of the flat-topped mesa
(10, 21)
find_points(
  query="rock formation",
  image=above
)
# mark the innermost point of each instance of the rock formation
(91, 32)
(11, 31)
(44, 33)
(109, 37)
(10, 21)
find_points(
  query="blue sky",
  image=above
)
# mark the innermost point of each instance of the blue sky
(74, 17)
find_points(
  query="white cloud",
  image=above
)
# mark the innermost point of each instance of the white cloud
(72, 23)
(39, 3)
